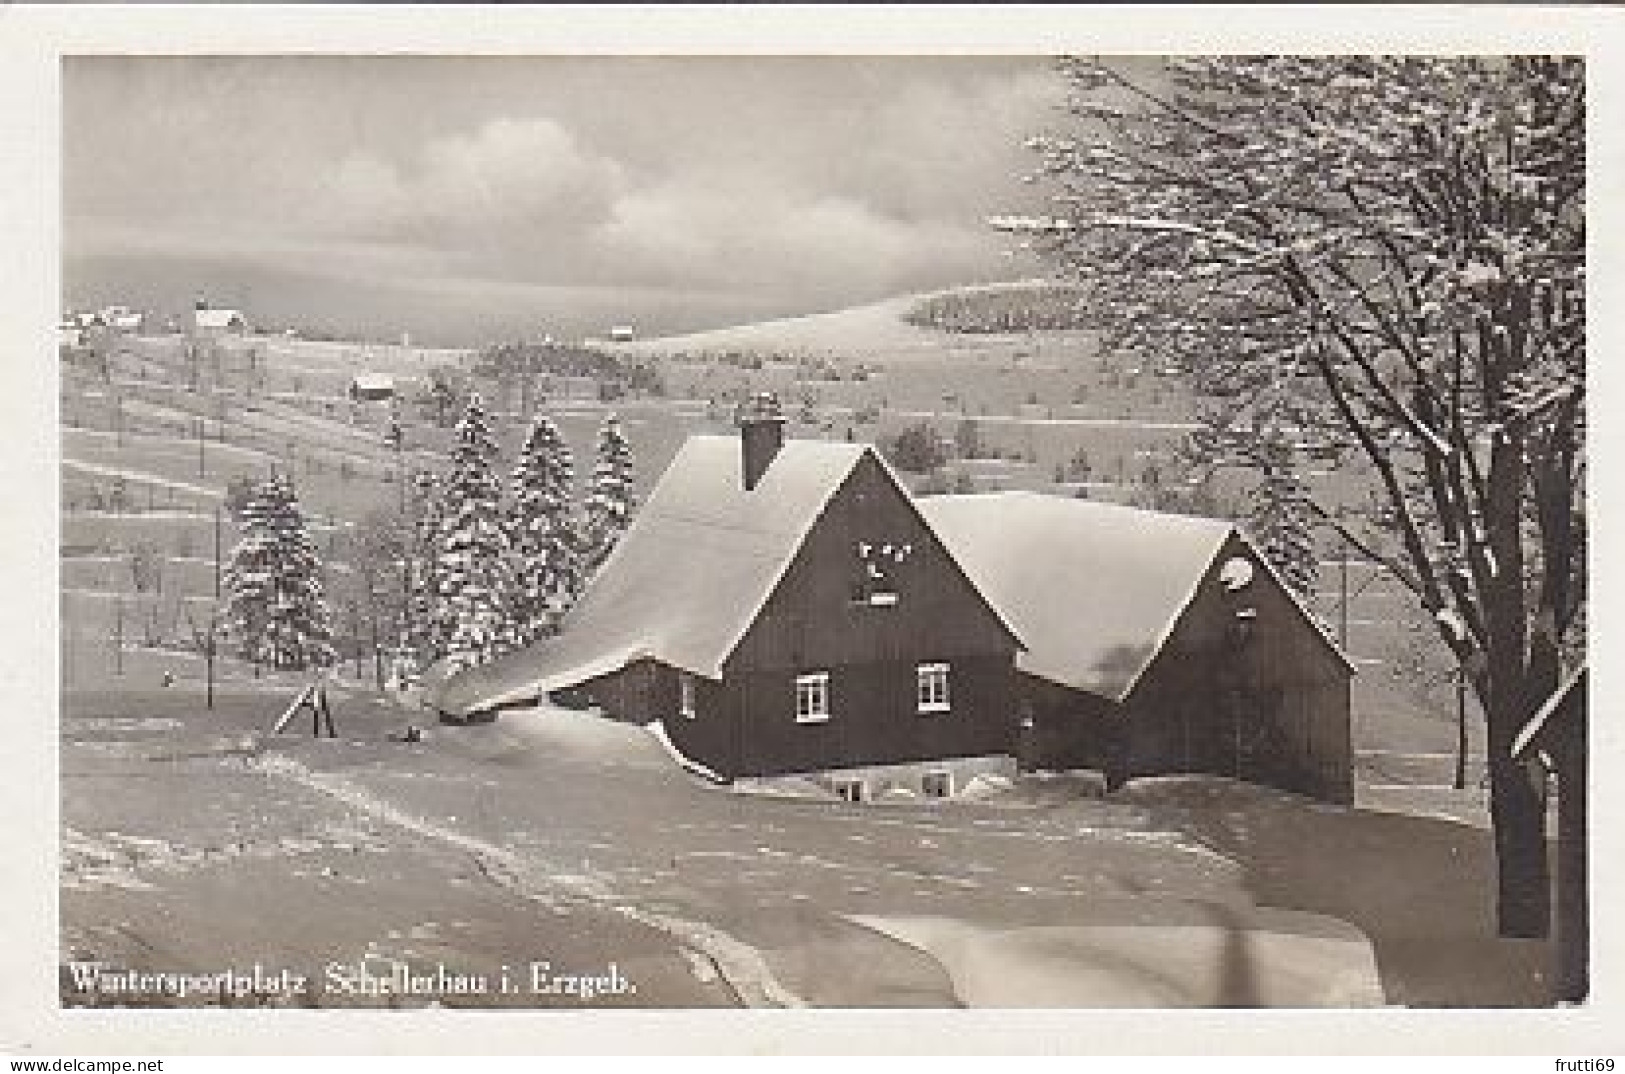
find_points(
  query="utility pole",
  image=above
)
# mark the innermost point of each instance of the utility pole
(118, 636)
(202, 462)
(208, 653)
(217, 553)
(1343, 600)
(395, 438)
(372, 617)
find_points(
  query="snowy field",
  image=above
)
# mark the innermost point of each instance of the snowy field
(193, 840)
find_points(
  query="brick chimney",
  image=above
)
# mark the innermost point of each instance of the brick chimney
(761, 434)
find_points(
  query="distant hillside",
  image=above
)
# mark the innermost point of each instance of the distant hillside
(894, 328)
(1003, 308)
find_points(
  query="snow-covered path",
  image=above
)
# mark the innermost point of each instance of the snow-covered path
(144, 477)
(739, 964)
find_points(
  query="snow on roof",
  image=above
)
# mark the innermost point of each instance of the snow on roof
(686, 580)
(211, 318)
(373, 382)
(1093, 589)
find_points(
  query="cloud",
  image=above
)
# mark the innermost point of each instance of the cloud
(509, 184)
(740, 232)
(788, 183)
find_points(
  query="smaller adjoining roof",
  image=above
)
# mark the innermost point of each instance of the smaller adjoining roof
(1093, 589)
(685, 581)
(212, 318)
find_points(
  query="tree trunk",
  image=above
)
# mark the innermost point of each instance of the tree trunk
(1523, 895)
(1513, 685)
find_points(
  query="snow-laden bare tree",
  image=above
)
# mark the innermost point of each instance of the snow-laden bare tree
(547, 562)
(608, 509)
(1396, 244)
(471, 566)
(276, 608)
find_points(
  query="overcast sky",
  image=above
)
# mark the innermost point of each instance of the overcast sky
(472, 199)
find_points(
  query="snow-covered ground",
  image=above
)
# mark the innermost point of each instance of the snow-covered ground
(193, 838)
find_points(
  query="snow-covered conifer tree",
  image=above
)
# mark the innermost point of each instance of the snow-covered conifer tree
(547, 562)
(276, 608)
(472, 579)
(609, 496)
(423, 638)
(1282, 520)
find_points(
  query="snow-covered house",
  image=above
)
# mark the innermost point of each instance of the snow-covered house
(218, 322)
(1154, 643)
(780, 607)
(122, 318)
(371, 388)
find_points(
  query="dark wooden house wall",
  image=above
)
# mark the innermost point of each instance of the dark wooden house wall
(816, 621)
(1061, 728)
(1272, 709)
(745, 724)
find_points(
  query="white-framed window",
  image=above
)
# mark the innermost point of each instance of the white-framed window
(850, 790)
(685, 695)
(932, 687)
(937, 784)
(812, 697)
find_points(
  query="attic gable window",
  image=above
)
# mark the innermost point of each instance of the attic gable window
(932, 687)
(812, 697)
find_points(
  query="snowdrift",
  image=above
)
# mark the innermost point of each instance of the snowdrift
(1151, 953)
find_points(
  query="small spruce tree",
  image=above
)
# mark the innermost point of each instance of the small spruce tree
(609, 496)
(547, 562)
(471, 569)
(276, 607)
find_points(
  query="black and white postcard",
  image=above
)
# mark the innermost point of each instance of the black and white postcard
(704, 510)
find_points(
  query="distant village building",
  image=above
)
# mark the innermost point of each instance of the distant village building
(122, 318)
(622, 333)
(787, 607)
(70, 335)
(782, 608)
(218, 322)
(1155, 643)
(371, 388)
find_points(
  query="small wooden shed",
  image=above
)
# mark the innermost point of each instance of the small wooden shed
(371, 388)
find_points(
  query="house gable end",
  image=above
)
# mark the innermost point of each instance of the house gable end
(870, 581)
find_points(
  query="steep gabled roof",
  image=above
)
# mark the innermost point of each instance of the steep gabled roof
(1094, 589)
(686, 580)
